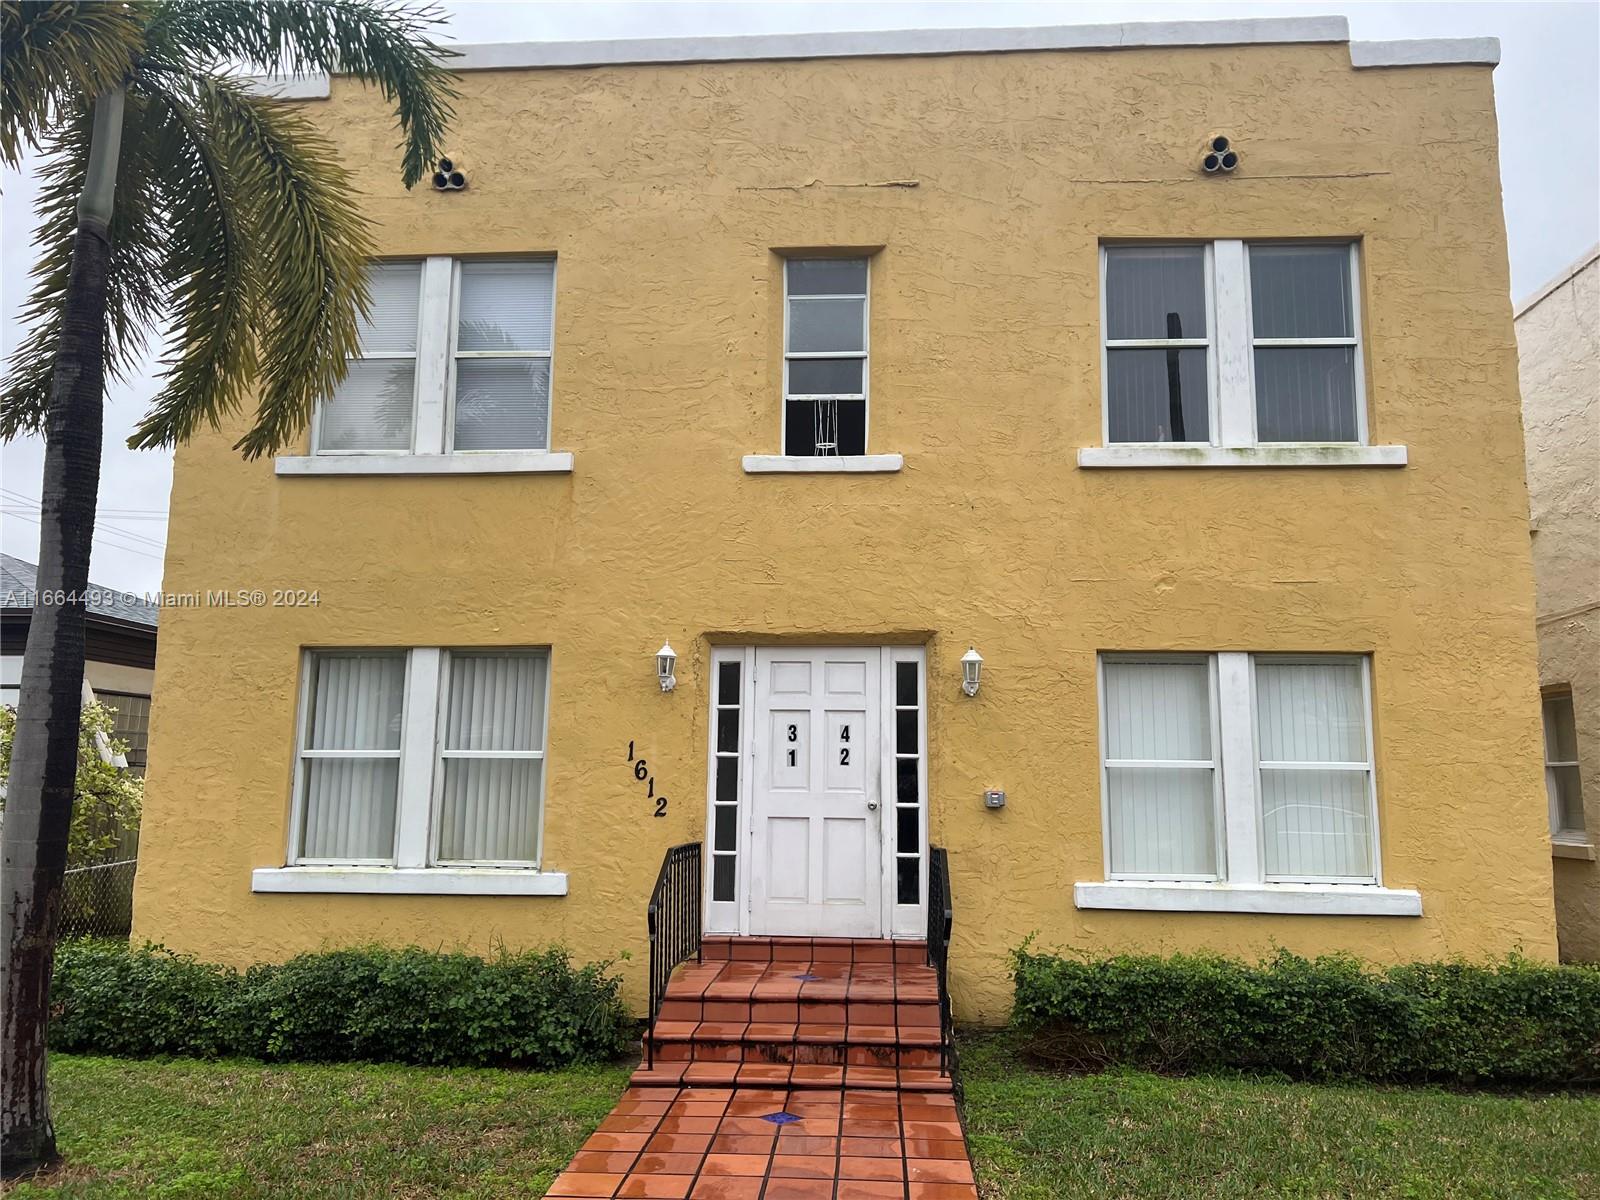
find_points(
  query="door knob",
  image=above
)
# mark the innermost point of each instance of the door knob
(872, 806)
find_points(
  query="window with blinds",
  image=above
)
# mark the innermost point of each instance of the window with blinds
(825, 357)
(1233, 344)
(1561, 776)
(421, 757)
(454, 356)
(1299, 806)
(375, 407)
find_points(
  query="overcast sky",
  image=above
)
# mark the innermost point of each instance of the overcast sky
(1547, 91)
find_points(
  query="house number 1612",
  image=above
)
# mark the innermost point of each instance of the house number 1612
(641, 772)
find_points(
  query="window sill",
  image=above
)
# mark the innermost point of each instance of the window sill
(1241, 456)
(1333, 900)
(467, 462)
(410, 881)
(798, 464)
(1571, 849)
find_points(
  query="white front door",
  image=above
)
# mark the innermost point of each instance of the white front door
(816, 833)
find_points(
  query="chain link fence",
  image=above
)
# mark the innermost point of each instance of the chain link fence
(97, 901)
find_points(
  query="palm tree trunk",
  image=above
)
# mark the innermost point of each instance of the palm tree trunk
(44, 759)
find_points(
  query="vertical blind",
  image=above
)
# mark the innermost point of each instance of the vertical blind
(1304, 393)
(1311, 737)
(492, 758)
(503, 340)
(1160, 768)
(351, 759)
(1156, 294)
(373, 408)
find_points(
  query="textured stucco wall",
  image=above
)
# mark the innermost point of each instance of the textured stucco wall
(1558, 340)
(665, 191)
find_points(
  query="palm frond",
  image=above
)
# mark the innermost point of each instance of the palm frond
(301, 246)
(56, 55)
(134, 296)
(212, 279)
(384, 43)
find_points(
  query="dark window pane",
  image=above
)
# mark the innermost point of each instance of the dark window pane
(814, 422)
(727, 831)
(727, 729)
(826, 376)
(728, 683)
(827, 326)
(827, 276)
(907, 880)
(905, 683)
(727, 780)
(1306, 394)
(1155, 292)
(1157, 396)
(1300, 291)
(905, 785)
(906, 831)
(905, 731)
(722, 876)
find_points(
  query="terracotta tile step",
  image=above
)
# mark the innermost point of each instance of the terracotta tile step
(800, 949)
(791, 1075)
(814, 1053)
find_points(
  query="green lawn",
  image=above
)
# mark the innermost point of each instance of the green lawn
(191, 1129)
(1043, 1136)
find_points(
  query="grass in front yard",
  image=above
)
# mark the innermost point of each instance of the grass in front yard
(186, 1129)
(1037, 1135)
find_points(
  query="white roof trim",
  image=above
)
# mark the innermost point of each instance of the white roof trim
(891, 42)
(1426, 52)
(1560, 281)
(887, 43)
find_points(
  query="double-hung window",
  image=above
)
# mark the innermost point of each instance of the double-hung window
(454, 360)
(1561, 777)
(1236, 345)
(1251, 770)
(825, 357)
(421, 758)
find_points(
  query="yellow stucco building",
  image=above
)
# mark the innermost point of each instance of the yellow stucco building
(827, 360)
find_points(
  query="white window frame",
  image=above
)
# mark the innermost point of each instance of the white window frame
(1369, 766)
(1360, 385)
(1559, 832)
(1207, 343)
(413, 868)
(1232, 342)
(1243, 886)
(440, 755)
(730, 916)
(864, 354)
(433, 400)
(415, 358)
(1219, 846)
(456, 355)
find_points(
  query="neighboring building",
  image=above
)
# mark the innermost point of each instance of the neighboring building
(1558, 336)
(119, 648)
(827, 358)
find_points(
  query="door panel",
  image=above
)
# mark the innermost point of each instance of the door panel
(817, 816)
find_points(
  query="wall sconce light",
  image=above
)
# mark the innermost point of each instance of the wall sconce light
(971, 669)
(666, 659)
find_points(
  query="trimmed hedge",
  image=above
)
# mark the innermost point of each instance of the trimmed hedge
(1514, 1022)
(372, 1003)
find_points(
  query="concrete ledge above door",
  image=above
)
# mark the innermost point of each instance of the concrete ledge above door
(1309, 899)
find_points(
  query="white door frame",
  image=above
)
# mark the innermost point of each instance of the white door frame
(732, 913)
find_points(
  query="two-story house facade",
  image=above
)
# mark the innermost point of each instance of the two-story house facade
(837, 364)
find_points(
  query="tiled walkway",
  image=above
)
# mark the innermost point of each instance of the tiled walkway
(787, 1069)
(774, 1144)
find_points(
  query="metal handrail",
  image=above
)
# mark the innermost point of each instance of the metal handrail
(674, 922)
(941, 918)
